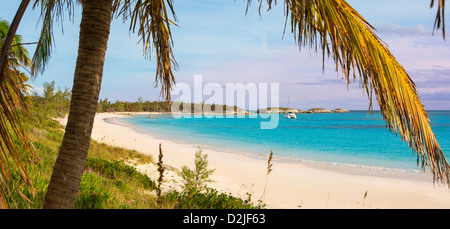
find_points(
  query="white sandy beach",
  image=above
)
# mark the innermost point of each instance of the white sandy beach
(289, 185)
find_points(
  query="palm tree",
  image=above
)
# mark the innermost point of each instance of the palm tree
(69, 166)
(151, 20)
(333, 26)
(12, 101)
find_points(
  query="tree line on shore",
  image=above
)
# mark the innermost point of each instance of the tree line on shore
(56, 102)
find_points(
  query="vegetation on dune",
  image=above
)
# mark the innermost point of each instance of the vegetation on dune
(211, 199)
(197, 194)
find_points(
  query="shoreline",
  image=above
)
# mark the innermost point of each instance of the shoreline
(290, 185)
(352, 169)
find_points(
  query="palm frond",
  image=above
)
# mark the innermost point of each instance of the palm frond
(345, 36)
(51, 11)
(440, 16)
(14, 145)
(18, 54)
(151, 20)
(13, 138)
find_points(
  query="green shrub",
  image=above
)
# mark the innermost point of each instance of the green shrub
(116, 169)
(92, 194)
(121, 185)
(211, 199)
(196, 180)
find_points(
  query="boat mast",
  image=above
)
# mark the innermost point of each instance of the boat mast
(289, 96)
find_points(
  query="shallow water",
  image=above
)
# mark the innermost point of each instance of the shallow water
(352, 139)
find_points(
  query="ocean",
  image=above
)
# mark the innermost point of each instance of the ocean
(352, 139)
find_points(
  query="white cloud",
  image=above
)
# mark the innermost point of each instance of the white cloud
(402, 30)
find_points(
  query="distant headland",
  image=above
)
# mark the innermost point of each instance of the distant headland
(284, 110)
(198, 108)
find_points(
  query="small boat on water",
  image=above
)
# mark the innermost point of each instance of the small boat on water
(290, 114)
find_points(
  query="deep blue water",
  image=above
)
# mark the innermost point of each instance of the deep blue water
(355, 138)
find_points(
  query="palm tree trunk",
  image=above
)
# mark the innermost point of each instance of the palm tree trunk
(67, 172)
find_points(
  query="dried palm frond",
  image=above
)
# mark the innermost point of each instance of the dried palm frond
(14, 145)
(345, 36)
(440, 16)
(12, 135)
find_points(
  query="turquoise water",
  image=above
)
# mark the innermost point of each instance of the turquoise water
(354, 138)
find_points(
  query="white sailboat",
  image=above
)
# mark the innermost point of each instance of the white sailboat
(290, 115)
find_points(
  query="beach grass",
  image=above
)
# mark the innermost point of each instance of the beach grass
(269, 169)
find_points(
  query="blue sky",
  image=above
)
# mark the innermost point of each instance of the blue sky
(217, 40)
